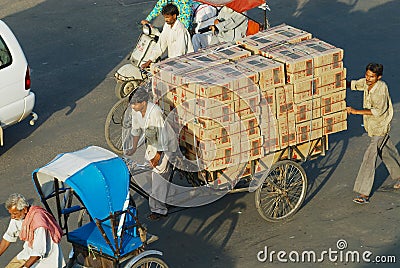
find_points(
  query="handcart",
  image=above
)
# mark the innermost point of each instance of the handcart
(278, 179)
(95, 181)
(276, 176)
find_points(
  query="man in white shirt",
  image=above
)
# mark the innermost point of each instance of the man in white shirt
(229, 26)
(161, 141)
(174, 37)
(38, 229)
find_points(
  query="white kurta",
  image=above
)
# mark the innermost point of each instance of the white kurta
(159, 134)
(160, 137)
(175, 39)
(50, 253)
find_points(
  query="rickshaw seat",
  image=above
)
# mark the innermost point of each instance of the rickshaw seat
(90, 235)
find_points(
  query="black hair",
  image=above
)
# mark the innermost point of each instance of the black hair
(140, 95)
(376, 68)
(170, 9)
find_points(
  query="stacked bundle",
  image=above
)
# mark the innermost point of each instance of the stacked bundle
(217, 113)
(171, 73)
(235, 103)
(312, 102)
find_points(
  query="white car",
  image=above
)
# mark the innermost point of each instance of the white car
(16, 99)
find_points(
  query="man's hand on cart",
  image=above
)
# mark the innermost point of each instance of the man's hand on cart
(156, 159)
(143, 22)
(349, 110)
(213, 28)
(129, 152)
(146, 64)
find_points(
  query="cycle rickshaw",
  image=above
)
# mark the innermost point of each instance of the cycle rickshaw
(95, 181)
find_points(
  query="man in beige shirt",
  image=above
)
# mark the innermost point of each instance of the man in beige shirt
(377, 114)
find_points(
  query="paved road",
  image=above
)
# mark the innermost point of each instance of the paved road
(74, 47)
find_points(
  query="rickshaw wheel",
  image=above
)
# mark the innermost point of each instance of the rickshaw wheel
(282, 191)
(124, 88)
(149, 262)
(113, 125)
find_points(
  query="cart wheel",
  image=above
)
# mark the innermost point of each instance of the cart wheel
(124, 88)
(113, 126)
(149, 262)
(282, 192)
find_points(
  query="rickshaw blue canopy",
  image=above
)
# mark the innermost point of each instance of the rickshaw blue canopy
(99, 177)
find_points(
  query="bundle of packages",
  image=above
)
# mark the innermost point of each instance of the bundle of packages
(312, 101)
(231, 104)
(217, 111)
(316, 79)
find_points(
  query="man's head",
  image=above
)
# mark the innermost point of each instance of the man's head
(170, 13)
(17, 206)
(373, 73)
(138, 100)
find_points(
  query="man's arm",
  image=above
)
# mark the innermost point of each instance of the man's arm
(159, 48)
(131, 151)
(31, 261)
(156, 159)
(39, 246)
(156, 10)
(229, 21)
(4, 244)
(359, 84)
(351, 110)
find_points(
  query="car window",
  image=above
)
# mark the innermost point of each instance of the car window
(5, 56)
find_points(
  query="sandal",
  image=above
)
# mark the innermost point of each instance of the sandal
(361, 199)
(155, 216)
(397, 185)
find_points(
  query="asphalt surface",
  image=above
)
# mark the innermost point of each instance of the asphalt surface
(74, 48)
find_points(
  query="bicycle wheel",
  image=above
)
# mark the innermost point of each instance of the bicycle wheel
(282, 192)
(149, 262)
(113, 125)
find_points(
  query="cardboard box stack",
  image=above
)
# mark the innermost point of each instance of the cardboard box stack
(234, 103)
(217, 112)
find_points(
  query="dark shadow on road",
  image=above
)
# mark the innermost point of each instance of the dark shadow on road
(199, 235)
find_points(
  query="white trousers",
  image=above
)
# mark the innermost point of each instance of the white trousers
(159, 186)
